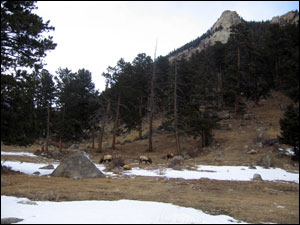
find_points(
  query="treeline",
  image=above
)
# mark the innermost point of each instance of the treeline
(194, 43)
(258, 57)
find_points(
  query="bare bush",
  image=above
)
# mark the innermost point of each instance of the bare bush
(176, 163)
(116, 163)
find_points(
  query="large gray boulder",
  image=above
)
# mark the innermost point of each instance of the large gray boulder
(77, 166)
(10, 220)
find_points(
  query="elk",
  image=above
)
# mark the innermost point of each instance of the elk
(106, 158)
(145, 159)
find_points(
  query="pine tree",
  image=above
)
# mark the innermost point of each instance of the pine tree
(22, 42)
(75, 105)
(289, 126)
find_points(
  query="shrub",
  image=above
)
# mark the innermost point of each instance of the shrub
(176, 163)
(117, 162)
(289, 126)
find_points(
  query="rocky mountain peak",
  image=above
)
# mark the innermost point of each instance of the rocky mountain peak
(227, 19)
(290, 17)
(220, 31)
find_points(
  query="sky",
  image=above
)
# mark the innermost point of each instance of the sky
(96, 34)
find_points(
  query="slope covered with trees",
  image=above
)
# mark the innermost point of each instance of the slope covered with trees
(258, 57)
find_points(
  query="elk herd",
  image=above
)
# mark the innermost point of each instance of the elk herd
(143, 159)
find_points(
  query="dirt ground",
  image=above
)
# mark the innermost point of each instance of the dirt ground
(251, 201)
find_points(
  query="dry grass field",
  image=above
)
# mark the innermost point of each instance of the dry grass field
(249, 201)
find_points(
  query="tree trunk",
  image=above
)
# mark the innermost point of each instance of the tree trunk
(102, 127)
(202, 139)
(93, 138)
(256, 90)
(220, 88)
(141, 120)
(60, 145)
(279, 75)
(48, 128)
(236, 106)
(151, 103)
(175, 113)
(116, 124)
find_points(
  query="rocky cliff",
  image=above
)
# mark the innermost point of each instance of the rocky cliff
(220, 31)
(290, 17)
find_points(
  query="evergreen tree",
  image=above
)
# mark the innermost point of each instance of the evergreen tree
(45, 96)
(141, 66)
(75, 105)
(22, 42)
(18, 115)
(289, 126)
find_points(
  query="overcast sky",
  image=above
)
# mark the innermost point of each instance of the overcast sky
(94, 35)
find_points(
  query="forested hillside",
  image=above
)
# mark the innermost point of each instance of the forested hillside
(188, 94)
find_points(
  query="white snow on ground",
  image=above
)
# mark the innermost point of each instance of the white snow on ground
(233, 173)
(129, 211)
(288, 151)
(19, 154)
(106, 212)
(29, 168)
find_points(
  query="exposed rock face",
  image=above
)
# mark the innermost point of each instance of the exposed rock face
(220, 32)
(290, 17)
(227, 19)
(77, 166)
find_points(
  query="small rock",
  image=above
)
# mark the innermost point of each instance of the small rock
(247, 148)
(260, 129)
(252, 152)
(223, 115)
(48, 167)
(27, 202)
(3, 182)
(77, 177)
(74, 146)
(251, 166)
(219, 159)
(257, 177)
(259, 145)
(265, 161)
(186, 156)
(248, 116)
(287, 166)
(36, 173)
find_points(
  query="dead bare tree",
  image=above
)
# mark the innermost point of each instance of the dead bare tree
(116, 124)
(175, 111)
(238, 84)
(141, 122)
(220, 89)
(151, 102)
(48, 128)
(104, 121)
